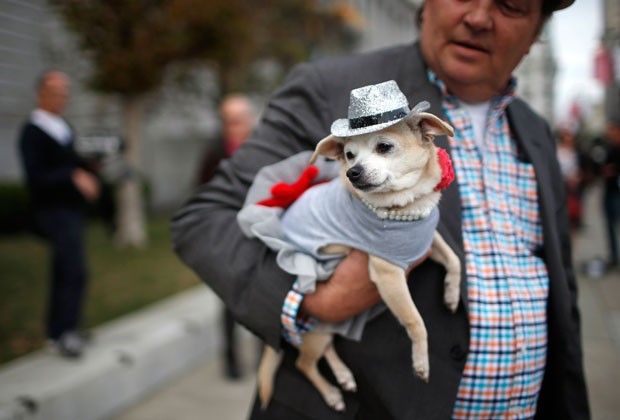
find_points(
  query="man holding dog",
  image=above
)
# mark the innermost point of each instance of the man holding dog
(513, 349)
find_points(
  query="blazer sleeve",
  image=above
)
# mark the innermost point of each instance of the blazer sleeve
(205, 234)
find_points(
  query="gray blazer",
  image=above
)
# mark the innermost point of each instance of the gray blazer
(245, 275)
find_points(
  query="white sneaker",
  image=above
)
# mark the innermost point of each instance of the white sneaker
(70, 345)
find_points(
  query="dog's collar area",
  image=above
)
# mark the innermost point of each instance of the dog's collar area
(402, 215)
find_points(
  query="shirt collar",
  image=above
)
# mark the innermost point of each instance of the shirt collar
(498, 102)
(54, 125)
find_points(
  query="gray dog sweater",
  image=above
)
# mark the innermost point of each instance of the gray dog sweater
(330, 214)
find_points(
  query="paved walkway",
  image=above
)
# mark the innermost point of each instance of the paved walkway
(202, 394)
(205, 394)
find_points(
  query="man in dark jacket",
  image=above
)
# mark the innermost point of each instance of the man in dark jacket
(513, 349)
(59, 186)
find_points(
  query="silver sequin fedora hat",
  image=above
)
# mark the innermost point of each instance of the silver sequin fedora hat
(373, 108)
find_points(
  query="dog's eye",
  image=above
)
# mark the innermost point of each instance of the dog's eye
(350, 155)
(384, 147)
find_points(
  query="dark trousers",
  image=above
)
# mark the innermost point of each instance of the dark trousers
(611, 204)
(63, 228)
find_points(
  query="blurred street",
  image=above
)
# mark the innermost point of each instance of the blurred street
(204, 393)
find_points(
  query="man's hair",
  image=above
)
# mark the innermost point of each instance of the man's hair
(42, 78)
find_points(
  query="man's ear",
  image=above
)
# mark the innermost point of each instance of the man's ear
(429, 125)
(331, 147)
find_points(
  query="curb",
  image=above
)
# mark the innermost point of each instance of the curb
(128, 359)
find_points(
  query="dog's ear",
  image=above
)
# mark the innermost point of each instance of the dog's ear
(331, 147)
(429, 125)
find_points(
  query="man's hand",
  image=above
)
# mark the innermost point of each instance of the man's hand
(348, 292)
(86, 183)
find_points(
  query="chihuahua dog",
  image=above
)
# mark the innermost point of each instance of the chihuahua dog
(390, 172)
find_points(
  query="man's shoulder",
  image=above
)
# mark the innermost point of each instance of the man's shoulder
(30, 130)
(335, 77)
(522, 109)
(365, 67)
(376, 58)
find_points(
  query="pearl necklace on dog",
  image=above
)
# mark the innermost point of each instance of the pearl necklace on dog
(384, 213)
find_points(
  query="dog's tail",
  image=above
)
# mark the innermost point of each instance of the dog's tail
(266, 374)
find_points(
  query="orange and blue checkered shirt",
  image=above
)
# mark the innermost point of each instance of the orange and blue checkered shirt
(507, 283)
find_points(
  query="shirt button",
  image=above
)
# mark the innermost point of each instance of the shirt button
(457, 352)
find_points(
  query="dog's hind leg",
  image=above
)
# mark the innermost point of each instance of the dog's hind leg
(392, 284)
(341, 371)
(444, 255)
(266, 374)
(312, 348)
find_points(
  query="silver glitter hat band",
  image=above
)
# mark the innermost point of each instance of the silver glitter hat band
(379, 118)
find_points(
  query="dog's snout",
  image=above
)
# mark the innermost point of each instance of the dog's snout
(355, 173)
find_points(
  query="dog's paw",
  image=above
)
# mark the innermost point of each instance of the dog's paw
(452, 293)
(333, 398)
(421, 367)
(348, 383)
(345, 379)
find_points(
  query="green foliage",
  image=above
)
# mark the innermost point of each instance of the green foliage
(15, 215)
(121, 281)
(130, 43)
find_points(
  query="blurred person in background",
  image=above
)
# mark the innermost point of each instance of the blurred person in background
(611, 195)
(571, 165)
(513, 348)
(60, 185)
(237, 118)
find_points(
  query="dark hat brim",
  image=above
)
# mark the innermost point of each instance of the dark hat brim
(563, 4)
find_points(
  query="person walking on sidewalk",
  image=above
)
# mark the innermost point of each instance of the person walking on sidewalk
(60, 184)
(513, 349)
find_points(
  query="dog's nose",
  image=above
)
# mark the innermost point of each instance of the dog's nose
(354, 173)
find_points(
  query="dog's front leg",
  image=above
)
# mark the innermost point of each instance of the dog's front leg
(392, 285)
(444, 255)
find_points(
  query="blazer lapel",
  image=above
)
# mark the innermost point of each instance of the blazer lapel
(528, 137)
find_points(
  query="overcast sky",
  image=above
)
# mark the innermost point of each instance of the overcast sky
(575, 34)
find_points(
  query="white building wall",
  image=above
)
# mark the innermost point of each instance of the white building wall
(536, 75)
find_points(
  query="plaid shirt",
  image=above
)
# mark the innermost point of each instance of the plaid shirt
(507, 283)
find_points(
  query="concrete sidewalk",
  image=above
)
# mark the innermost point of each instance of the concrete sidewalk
(128, 359)
(163, 363)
